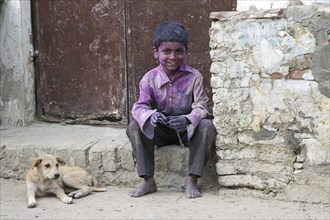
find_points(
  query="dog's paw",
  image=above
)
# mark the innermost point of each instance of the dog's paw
(75, 194)
(67, 200)
(32, 203)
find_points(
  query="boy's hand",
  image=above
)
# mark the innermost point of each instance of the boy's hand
(157, 117)
(178, 123)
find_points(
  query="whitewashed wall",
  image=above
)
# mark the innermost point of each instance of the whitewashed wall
(244, 5)
(17, 95)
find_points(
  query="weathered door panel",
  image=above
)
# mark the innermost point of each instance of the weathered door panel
(80, 68)
(143, 16)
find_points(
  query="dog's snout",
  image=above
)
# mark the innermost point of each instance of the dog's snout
(56, 175)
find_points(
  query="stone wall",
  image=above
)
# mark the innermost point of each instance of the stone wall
(245, 5)
(270, 81)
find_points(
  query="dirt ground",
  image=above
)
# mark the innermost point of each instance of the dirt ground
(164, 204)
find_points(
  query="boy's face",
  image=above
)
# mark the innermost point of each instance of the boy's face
(171, 55)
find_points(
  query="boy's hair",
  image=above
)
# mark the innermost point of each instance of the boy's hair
(171, 32)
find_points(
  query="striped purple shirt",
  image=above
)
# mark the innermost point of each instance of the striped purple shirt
(184, 95)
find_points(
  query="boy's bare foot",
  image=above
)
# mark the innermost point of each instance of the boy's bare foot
(191, 189)
(146, 187)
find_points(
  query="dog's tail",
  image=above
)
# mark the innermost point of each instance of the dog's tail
(95, 187)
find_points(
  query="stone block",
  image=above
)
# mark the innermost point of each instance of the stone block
(125, 157)
(109, 160)
(249, 181)
(298, 166)
(237, 154)
(224, 168)
(256, 168)
(277, 155)
(172, 158)
(273, 183)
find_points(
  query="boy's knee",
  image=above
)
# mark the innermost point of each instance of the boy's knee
(206, 124)
(132, 126)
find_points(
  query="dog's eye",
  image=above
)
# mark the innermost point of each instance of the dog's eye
(47, 165)
(57, 165)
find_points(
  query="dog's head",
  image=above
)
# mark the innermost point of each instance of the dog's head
(47, 165)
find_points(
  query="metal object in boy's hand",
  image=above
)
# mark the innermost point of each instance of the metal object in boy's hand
(162, 121)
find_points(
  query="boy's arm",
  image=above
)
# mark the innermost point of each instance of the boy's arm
(199, 106)
(142, 109)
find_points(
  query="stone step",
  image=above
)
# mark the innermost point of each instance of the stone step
(104, 151)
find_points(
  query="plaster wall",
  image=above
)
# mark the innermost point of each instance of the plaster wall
(17, 93)
(245, 5)
(270, 82)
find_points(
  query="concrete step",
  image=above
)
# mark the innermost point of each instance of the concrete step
(104, 151)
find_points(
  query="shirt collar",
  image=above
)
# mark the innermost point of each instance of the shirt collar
(163, 76)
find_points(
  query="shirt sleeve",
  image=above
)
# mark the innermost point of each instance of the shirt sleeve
(199, 105)
(142, 109)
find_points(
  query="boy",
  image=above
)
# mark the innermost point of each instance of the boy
(171, 109)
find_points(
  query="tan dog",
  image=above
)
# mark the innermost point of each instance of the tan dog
(46, 177)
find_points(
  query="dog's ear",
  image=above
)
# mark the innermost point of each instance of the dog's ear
(60, 160)
(36, 162)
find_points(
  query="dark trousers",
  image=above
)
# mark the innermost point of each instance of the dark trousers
(200, 146)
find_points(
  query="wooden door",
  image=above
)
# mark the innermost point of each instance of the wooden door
(80, 67)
